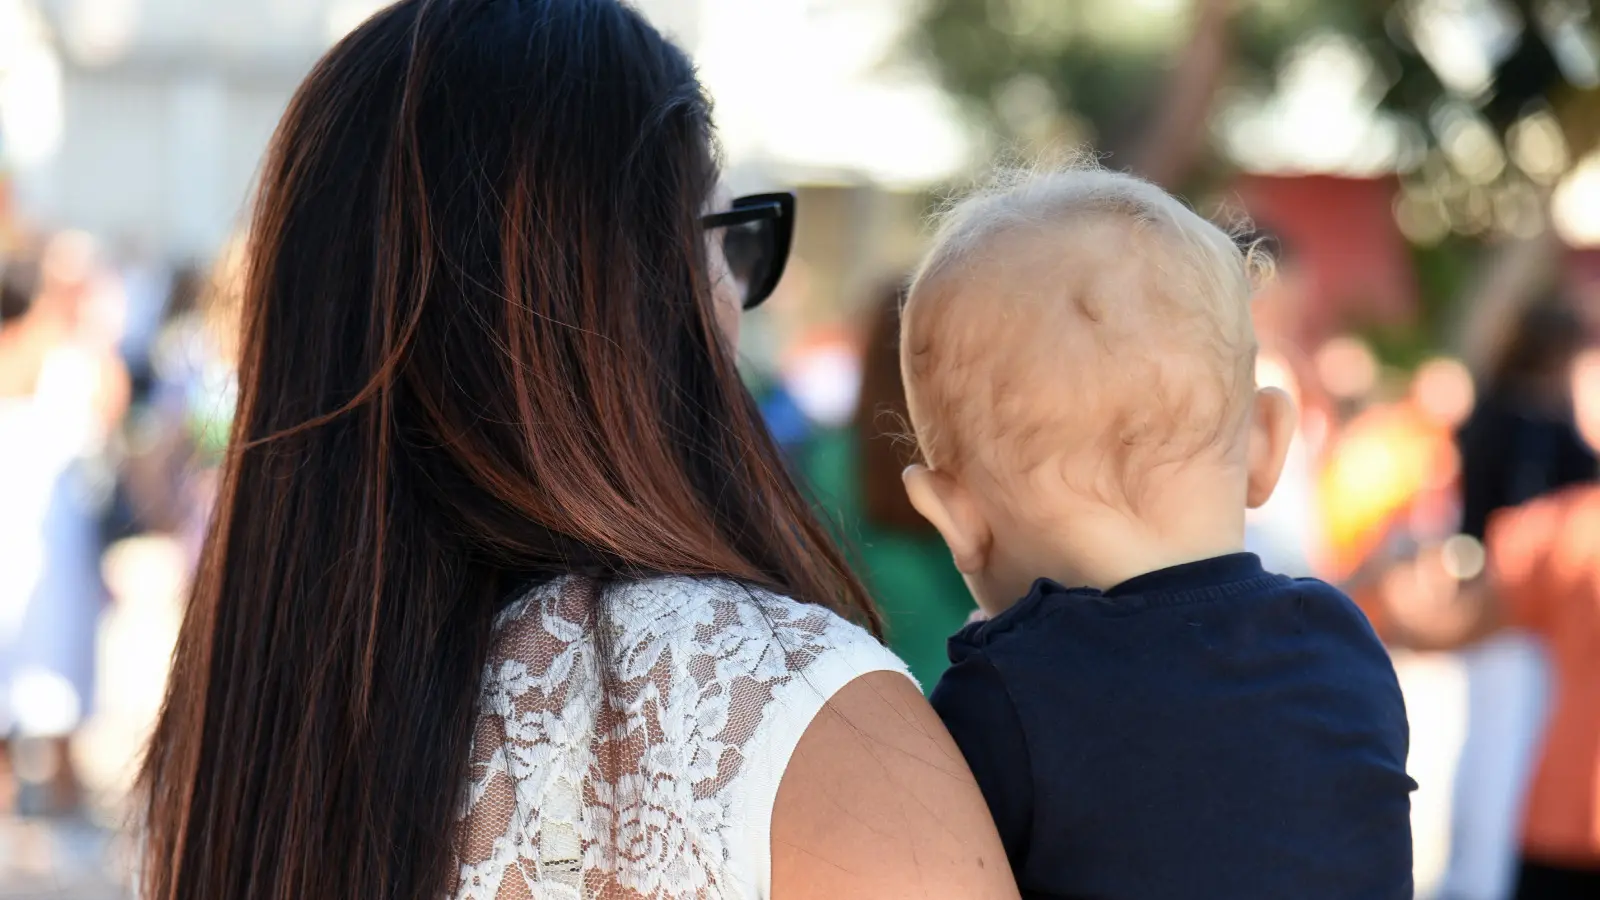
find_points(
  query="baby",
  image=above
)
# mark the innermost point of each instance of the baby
(1149, 714)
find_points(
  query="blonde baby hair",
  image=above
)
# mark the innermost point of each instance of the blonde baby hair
(1078, 310)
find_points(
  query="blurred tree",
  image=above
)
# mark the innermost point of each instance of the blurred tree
(1486, 104)
(1141, 79)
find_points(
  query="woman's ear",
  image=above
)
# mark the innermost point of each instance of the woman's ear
(947, 505)
(1272, 425)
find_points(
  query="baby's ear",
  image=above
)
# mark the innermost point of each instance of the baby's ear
(947, 505)
(1272, 426)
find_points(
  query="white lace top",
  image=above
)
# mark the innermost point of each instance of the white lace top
(654, 775)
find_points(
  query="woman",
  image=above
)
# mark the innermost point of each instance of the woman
(1542, 576)
(62, 392)
(856, 473)
(1522, 441)
(496, 598)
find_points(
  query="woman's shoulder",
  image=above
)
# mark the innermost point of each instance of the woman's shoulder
(721, 679)
(745, 630)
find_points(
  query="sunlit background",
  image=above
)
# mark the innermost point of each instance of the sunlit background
(1425, 171)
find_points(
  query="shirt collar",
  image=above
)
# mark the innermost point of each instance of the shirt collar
(1191, 575)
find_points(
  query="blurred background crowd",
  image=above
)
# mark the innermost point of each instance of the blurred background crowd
(1425, 172)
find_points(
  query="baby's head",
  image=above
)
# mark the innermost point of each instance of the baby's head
(1079, 365)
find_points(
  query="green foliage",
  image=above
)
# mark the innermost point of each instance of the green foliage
(1444, 273)
(1098, 60)
(1101, 63)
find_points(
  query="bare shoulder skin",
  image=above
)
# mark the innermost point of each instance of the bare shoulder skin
(877, 802)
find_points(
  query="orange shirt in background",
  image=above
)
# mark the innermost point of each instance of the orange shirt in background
(1545, 568)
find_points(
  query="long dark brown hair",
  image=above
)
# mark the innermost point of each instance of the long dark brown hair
(479, 350)
(1540, 344)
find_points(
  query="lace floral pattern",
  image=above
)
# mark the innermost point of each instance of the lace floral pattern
(622, 780)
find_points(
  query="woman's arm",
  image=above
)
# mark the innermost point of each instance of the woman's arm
(1534, 558)
(877, 802)
(1427, 608)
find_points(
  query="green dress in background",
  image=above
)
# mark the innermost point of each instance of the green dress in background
(910, 576)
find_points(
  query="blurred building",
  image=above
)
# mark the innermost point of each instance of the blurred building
(151, 117)
(1341, 230)
(816, 93)
(146, 120)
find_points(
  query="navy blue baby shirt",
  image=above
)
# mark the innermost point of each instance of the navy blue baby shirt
(1210, 730)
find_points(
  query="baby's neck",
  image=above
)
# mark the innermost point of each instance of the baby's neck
(1111, 552)
(1091, 544)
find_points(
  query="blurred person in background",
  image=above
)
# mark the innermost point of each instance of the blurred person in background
(1522, 440)
(764, 345)
(179, 439)
(1538, 570)
(783, 415)
(855, 472)
(822, 371)
(148, 282)
(148, 287)
(1390, 474)
(160, 445)
(62, 391)
(1520, 443)
(19, 281)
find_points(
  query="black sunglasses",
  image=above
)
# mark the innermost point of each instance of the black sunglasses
(758, 232)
